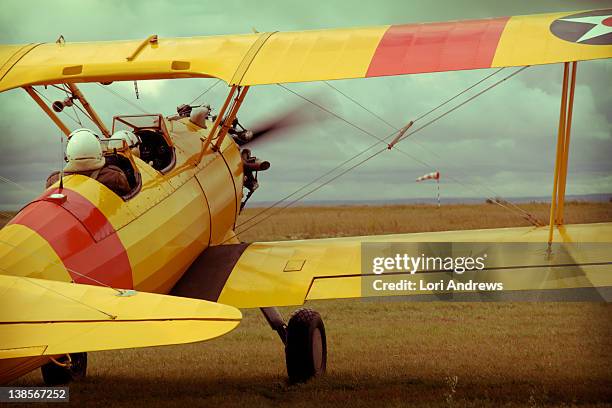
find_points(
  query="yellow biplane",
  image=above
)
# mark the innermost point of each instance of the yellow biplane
(83, 269)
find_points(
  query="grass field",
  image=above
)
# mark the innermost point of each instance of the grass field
(321, 222)
(382, 353)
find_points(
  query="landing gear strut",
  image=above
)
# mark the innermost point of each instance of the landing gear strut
(304, 340)
(65, 369)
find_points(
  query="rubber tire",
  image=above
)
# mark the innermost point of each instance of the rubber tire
(55, 375)
(303, 331)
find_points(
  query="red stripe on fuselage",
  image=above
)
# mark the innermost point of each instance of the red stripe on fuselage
(431, 47)
(82, 237)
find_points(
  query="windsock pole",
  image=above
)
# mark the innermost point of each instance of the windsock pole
(438, 184)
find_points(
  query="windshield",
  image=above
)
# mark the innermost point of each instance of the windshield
(137, 122)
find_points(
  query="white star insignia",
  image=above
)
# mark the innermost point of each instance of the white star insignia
(598, 29)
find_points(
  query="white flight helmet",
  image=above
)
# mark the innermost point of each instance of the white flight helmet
(199, 115)
(83, 151)
(130, 138)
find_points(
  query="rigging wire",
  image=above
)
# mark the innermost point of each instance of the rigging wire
(7, 180)
(57, 262)
(112, 317)
(134, 105)
(323, 108)
(51, 103)
(381, 140)
(462, 92)
(426, 114)
(363, 151)
(217, 82)
(124, 99)
(524, 213)
(69, 95)
(380, 118)
(360, 129)
(77, 115)
(83, 112)
(423, 114)
(329, 171)
(290, 203)
(78, 120)
(307, 185)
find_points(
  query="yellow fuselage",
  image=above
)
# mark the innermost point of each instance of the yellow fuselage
(146, 242)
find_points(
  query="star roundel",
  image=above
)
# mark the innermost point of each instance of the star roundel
(591, 27)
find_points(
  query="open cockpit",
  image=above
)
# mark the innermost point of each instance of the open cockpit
(156, 146)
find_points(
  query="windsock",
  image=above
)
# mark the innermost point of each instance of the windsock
(430, 176)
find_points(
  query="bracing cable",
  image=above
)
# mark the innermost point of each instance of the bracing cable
(260, 214)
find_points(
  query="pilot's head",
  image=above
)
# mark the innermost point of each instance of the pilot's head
(130, 138)
(199, 115)
(83, 151)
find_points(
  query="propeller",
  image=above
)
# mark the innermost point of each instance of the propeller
(297, 116)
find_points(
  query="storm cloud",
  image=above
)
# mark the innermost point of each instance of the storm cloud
(502, 143)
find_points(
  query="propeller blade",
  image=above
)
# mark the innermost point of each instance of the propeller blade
(297, 116)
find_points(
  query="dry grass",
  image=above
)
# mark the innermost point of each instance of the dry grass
(383, 353)
(320, 222)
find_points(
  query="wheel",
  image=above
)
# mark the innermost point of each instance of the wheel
(56, 375)
(306, 348)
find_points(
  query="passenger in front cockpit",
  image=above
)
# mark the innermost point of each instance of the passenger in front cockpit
(85, 157)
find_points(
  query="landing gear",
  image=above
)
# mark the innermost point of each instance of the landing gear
(65, 369)
(306, 348)
(305, 342)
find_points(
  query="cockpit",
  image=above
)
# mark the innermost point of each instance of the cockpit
(156, 147)
(117, 153)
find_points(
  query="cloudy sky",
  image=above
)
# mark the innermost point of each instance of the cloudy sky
(502, 143)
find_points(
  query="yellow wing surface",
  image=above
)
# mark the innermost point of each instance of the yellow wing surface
(291, 272)
(275, 57)
(42, 317)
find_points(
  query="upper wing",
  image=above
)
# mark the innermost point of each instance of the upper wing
(42, 317)
(291, 272)
(276, 57)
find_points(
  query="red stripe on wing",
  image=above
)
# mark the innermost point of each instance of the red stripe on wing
(82, 238)
(432, 47)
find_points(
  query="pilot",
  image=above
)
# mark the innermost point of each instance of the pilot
(199, 115)
(130, 138)
(85, 157)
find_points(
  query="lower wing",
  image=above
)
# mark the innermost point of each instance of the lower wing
(46, 318)
(290, 272)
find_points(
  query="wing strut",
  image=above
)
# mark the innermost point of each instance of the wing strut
(213, 131)
(229, 119)
(30, 90)
(92, 113)
(563, 142)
